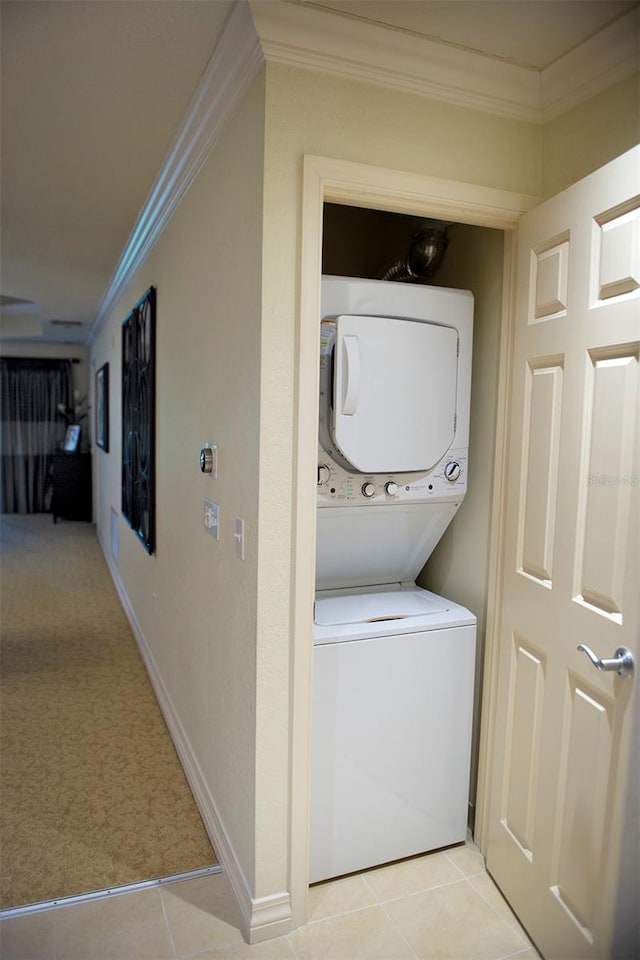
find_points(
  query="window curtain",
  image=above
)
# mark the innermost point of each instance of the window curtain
(32, 428)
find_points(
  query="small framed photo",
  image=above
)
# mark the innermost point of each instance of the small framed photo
(102, 407)
(72, 438)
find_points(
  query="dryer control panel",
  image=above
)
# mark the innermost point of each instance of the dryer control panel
(447, 481)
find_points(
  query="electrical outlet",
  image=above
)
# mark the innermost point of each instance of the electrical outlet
(210, 519)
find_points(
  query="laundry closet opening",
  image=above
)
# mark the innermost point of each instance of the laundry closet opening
(360, 242)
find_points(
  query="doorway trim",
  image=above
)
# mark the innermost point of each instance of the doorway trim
(356, 184)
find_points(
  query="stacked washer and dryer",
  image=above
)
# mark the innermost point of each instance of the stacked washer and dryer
(393, 663)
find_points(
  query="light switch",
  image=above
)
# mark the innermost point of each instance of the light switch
(239, 538)
(210, 518)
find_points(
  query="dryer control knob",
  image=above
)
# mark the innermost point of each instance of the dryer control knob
(391, 488)
(324, 474)
(368, 490)
(452, 470)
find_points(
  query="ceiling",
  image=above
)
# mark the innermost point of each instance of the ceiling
(94, 91)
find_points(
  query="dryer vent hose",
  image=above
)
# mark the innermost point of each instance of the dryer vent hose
(425, 255)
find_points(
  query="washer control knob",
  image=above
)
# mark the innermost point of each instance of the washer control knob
(452, 470)
(368, 490)
(324, 474)
(391, 488)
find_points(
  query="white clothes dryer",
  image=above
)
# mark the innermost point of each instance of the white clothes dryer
(395, 383)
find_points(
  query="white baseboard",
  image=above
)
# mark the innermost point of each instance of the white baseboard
(262, 918)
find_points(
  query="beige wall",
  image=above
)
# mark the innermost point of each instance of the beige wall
(311, 112)
(308, 112)
(194, 600)
(593, 133)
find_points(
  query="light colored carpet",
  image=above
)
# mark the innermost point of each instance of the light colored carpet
(92, 791)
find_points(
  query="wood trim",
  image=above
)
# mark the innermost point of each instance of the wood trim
(326, 179)
(304, 531)
(498, 513)
(381, 188)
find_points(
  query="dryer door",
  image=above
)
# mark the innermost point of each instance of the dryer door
(394, 393)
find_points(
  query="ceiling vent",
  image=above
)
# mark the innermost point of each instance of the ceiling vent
(66, 323)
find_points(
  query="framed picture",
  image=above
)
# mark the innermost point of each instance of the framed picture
(72, 438)
(139, 418)
(102, 407)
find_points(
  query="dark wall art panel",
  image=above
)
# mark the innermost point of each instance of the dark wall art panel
(138, 419)
(102, 407)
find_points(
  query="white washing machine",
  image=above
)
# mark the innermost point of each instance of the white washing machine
(393, 664)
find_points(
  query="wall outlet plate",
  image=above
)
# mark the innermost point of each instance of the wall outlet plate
(238, 536)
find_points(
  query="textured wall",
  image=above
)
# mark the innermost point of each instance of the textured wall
(593, 133)
(195, 602)
(311, 112)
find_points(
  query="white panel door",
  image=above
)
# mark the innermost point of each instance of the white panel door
(394, 392)
(563, 727)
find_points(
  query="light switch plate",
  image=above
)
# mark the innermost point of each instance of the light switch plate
(211, 518)
(214, 453)
(238, 536)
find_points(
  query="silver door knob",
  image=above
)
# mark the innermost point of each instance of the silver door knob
(622, 660)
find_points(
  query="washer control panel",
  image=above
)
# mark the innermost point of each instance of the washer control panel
(447, 480)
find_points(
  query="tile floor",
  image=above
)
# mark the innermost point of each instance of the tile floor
(441, 906)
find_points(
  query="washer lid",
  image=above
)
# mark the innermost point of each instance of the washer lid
(377, 607)
(395, 387)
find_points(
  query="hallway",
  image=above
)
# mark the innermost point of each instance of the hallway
(93, 793)
(94, 796)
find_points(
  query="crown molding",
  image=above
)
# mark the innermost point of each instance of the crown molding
(322, 39)
(610, 56)
(306, 36)
(234, 64)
